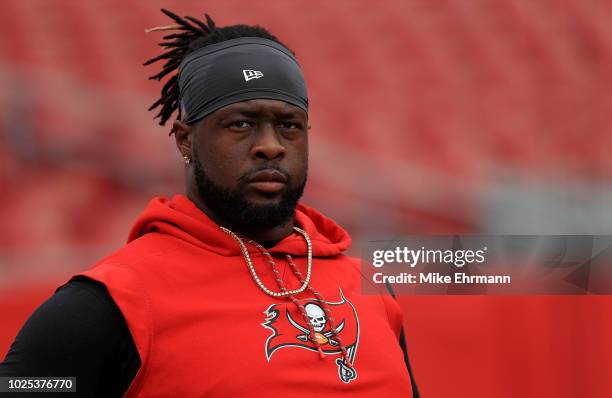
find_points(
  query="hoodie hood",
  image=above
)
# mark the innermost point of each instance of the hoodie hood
(181, 218)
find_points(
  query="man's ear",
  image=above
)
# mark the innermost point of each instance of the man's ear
(183, 135)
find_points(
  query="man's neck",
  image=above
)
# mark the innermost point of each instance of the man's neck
(268, 237)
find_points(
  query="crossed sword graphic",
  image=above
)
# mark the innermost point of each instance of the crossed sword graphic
(304, 337)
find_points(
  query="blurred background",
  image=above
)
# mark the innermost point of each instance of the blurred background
(428, 117)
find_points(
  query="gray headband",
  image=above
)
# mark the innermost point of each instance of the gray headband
(239, 70)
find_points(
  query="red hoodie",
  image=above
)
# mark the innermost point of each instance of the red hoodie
(203, 327)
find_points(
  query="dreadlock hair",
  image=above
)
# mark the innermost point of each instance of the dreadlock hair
(191, 34)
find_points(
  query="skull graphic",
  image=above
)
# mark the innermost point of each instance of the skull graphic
(316, 316)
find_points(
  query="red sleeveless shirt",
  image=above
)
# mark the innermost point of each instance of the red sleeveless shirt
(203, 328)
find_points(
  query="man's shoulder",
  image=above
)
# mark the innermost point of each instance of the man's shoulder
(350, 261)
(348, 266)
(142, 249)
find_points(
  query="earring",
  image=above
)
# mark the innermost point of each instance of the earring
(187, 159)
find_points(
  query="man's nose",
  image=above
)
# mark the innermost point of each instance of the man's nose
(267, 144)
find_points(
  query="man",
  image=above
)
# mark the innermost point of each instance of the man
(233, 289)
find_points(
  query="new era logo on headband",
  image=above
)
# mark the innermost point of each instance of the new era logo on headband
(251, 74)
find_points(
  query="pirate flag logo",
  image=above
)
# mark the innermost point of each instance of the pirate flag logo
(290, 330)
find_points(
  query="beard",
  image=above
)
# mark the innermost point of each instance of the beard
(235, 209)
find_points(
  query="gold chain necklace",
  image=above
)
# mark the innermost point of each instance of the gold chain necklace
(263, 287)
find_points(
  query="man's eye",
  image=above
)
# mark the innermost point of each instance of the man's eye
(290, 125)
(241, 124)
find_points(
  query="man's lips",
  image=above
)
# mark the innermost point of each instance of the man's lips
(268, 180)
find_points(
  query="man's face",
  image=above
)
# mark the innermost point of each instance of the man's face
(250, 161)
